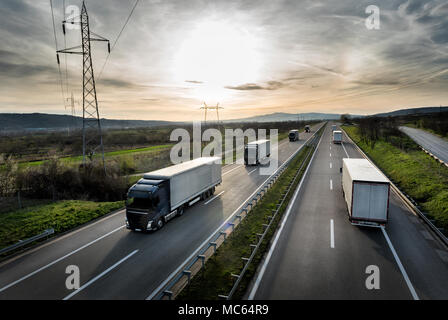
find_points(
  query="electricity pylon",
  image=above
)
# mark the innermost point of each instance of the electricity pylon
(92, 138)
(72, 110)
(206, 107)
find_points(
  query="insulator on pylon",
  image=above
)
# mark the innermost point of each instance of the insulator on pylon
(57, 58)
(108, 46)
(63, 27)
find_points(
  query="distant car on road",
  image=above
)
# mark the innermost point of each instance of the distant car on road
(366, 192)
(293, 135)
(307, 128)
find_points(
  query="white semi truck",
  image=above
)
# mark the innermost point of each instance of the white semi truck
(256, 151)
(366, 192)
(164, 194)
(293, 135)
(337, 136)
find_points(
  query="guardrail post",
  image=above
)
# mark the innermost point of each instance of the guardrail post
(188, 274)
(202, 257)
(168, 293)
(213, 244)
(224, 234)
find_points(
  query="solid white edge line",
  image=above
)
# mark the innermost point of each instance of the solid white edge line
(331, 184)
(155, 291)
(100, 275)
(331, 233)
(59, 259)
(345, 149)
(207, 202)
(277, 236)
(252, 171)
(400, 266)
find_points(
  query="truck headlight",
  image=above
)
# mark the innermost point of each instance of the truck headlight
(148, 226)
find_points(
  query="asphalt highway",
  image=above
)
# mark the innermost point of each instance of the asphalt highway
(116, 263)
(437, 146)
(318, 254)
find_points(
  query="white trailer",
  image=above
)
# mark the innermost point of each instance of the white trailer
(293, 135)
(366, 192)
(256, 151)
(162, 194)
(337, 136)
(333, 127)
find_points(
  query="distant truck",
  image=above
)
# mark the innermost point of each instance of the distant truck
(366, 192)
(293, 135)
(256, 151)
(307, 128)
(164, 194)
(337, 136)
(333, 127)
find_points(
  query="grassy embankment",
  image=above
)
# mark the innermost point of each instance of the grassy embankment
(414, 172)
(112, 154)
(59, 215)
(215, 278)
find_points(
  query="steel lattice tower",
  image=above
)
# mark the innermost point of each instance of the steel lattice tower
(91, 125)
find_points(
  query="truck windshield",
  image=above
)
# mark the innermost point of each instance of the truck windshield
(141, 203)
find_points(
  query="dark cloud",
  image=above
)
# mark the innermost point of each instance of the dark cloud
(11, 70)
(271, 85)
(194, 81)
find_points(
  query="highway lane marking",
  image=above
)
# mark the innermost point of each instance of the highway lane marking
(330, 154)
(345, 149)
(252, 171)
(100, 275)
(331, 165)
(59, 259)
(331, 184)
(195, 252)
(282, 225)
(238, 166)
(331, 233)
(207, 202)
(400, 266)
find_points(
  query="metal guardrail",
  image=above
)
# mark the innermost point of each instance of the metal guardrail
(183, 277)
(411, 203)
(266, 227)
(22, 243)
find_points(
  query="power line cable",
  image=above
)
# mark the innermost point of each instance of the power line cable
(118, 37)
(56, 46)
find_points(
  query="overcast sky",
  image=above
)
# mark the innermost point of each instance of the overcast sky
(253, 57)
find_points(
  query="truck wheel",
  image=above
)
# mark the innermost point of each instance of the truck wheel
(160, 223)
(180, 211)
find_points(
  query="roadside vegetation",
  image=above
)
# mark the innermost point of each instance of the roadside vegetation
(60, 215)
(216, 277)
(400, 158)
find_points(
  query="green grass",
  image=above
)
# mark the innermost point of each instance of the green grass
(119, 153)
(415, 172)
(215, 278)
(61, 216)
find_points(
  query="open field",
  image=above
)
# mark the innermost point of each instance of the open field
(415, 172)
